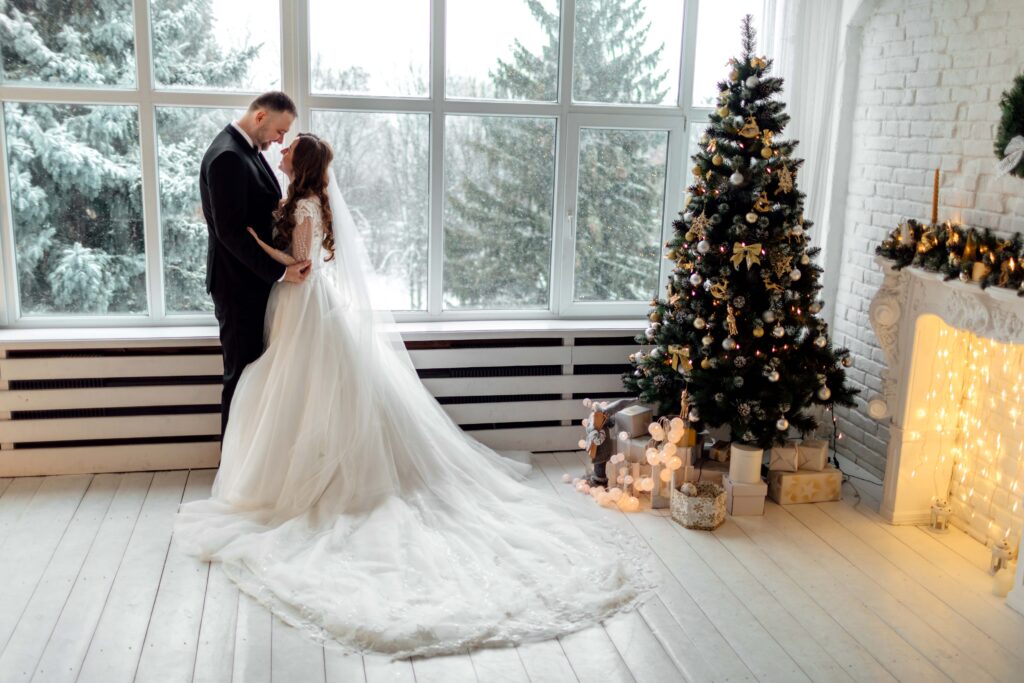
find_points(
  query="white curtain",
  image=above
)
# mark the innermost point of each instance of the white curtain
(816, 44)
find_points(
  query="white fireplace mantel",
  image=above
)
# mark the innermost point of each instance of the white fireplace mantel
(904, 297)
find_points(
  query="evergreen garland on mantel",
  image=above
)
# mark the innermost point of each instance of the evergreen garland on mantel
(957, 251)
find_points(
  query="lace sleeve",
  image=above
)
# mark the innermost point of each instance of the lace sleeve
(306, 213)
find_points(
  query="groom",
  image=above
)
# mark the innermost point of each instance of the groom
(239, 190)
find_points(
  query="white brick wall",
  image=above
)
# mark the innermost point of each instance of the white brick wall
(931, 74)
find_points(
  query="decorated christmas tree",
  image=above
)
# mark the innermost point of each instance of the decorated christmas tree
(738, 329)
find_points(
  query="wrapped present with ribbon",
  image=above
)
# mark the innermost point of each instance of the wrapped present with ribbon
(813, 455)
(784, 458)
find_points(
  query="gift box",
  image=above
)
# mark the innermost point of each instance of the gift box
(709, 470)
(719, 452)
(661, 496)
(805, 486)
(634, 448)
(784, 458)
(745, 463)
(743, 498)
(633, 420)
(813, 455)
(701, 508)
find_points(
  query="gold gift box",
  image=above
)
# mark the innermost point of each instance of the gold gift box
(805, 486)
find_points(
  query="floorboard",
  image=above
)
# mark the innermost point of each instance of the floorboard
(94, 588)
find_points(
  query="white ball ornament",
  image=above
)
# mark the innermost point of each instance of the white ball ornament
(656, 431)
(778, 331)
(795, 274)
(751, 217)
(782, 425)
(707, 340)
(820, 342)
(768, 316)
(700, 323)
(694, 416)
(696, 279)
(773, 376)
(729, 344)
(703, 247)
(805, 259)
(736, 178)
(824, 393)
(751, 81)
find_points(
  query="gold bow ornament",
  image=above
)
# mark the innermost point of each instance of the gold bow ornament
(749, 252)
(679, 354)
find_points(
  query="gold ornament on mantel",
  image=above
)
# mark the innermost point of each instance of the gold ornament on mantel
(1006, 271)
(750, 129)
(785, 179)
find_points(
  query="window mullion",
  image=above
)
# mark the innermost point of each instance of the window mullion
(295, 58)
(435, 250)
(561, 240)
(9, 283)
(147, 147)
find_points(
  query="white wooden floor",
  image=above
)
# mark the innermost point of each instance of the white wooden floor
(92, 588)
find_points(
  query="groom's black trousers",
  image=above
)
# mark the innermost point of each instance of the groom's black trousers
(241, 340)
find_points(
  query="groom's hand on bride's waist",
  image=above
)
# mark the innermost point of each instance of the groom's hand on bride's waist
(298, 271)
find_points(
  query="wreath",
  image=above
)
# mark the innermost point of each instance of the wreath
(1009, 145)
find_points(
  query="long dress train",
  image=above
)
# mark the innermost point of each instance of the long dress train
(350, 504)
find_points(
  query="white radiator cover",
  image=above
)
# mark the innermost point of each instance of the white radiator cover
(515, 390)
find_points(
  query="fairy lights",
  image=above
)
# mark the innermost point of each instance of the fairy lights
(973, 407)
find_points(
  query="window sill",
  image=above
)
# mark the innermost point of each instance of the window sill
(200, 335)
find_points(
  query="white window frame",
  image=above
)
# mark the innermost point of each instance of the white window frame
(295, 17)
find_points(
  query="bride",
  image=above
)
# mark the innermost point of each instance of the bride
(349, 503)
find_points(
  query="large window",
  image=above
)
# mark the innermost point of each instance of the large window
(502, 159)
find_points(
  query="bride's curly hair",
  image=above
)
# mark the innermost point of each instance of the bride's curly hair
(311, 159)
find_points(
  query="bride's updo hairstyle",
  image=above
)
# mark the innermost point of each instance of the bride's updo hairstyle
(311, 159)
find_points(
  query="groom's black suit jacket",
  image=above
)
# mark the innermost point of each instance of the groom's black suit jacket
(238, 190)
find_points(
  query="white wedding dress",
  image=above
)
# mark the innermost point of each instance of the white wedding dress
(349, 504)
